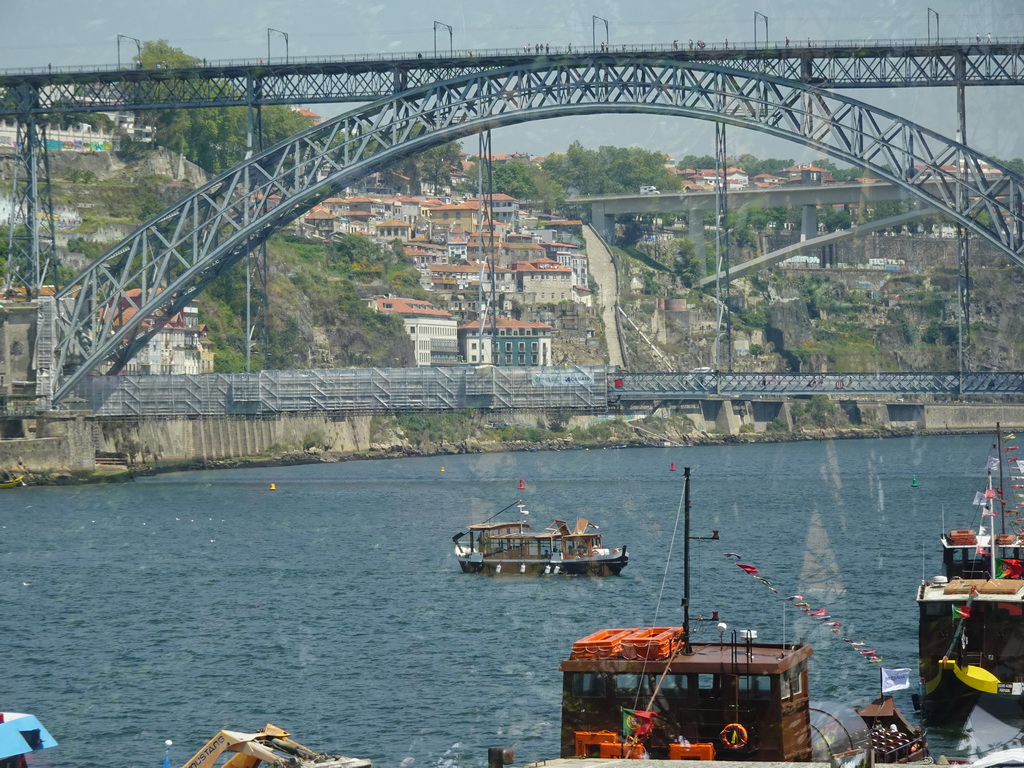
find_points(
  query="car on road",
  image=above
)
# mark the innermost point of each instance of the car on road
(649, 191)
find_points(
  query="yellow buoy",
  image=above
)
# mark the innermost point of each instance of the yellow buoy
(442, 469)
(273, 487)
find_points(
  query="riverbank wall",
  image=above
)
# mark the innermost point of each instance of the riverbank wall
(81, 446)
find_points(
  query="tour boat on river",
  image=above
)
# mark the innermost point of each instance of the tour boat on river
(971, 626)
(511, 548)
(651, 692)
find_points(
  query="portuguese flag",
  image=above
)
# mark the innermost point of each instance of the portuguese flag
(1009, 569)
(637, 723)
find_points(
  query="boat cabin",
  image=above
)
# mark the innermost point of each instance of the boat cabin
(970, 624)
(968, 555)
(515, 540)
(737, 699)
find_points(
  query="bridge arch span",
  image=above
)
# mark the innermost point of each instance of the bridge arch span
(177, 253)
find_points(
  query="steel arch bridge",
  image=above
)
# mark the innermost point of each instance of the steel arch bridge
(175, 255)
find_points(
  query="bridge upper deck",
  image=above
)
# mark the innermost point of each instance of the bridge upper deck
(830, 64)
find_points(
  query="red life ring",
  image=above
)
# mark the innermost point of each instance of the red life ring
(734, 736)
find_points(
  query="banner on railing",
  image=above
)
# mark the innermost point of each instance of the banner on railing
(568, 379)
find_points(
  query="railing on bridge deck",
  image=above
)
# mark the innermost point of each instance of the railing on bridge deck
(341, 391)
(737, 48)
(579, 389)
(652, 387)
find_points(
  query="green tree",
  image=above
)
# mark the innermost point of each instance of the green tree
(696, 162)
(515, 178)
(436, 164)
(212, 138)
(609, 170)
(687, 268)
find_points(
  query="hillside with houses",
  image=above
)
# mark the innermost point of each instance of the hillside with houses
(407, 268)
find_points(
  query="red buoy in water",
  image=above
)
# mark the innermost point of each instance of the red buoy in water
(673, 467)
(522, 485)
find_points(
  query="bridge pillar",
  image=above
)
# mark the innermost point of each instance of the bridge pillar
(695, 231)
(809, 223)
(603, 222)
(764, 412)
(723, 415)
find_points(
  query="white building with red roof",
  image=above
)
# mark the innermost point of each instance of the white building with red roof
(394, 229)
(433, 331)
(543, 281)
(178, 346)
(504, 208)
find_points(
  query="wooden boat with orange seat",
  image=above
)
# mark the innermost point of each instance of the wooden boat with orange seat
(511, 548)
(740, 700)
(651, 692)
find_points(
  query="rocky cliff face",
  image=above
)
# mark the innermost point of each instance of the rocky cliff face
(882, 303)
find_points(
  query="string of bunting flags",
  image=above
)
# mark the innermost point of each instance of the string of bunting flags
(1008, 568)
(818, 614)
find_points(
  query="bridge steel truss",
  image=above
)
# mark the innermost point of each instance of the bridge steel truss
(836, 65)
(172, 257)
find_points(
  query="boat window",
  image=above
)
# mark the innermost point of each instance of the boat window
(936, 610)
(626, 685)
(966, 564)
(792, 683)
(709, 685)
(588, 685)
(754, 686)
(675, 686)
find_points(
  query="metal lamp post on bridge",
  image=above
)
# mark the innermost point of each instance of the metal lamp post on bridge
(285, 36)
(756, 14)
(451, 47)
(938, 37)
(593, 33)
(138, 48)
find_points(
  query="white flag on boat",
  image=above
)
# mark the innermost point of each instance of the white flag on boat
(979, 499)
(993, 463)
(1020, 464)
(895, 680)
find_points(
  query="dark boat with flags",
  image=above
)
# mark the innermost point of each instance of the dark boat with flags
(653, 692)
(971, 626)
(512, 548)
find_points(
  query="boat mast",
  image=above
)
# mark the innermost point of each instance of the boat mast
(686, 561)
(1002, 498)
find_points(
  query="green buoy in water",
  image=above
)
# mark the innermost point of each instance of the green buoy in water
(913, 483)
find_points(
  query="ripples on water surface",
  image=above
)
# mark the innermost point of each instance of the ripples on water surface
(181, 604)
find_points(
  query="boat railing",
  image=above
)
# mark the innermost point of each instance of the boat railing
(894, 747)
(973, 659)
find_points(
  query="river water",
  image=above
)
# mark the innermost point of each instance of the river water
(181, 604)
